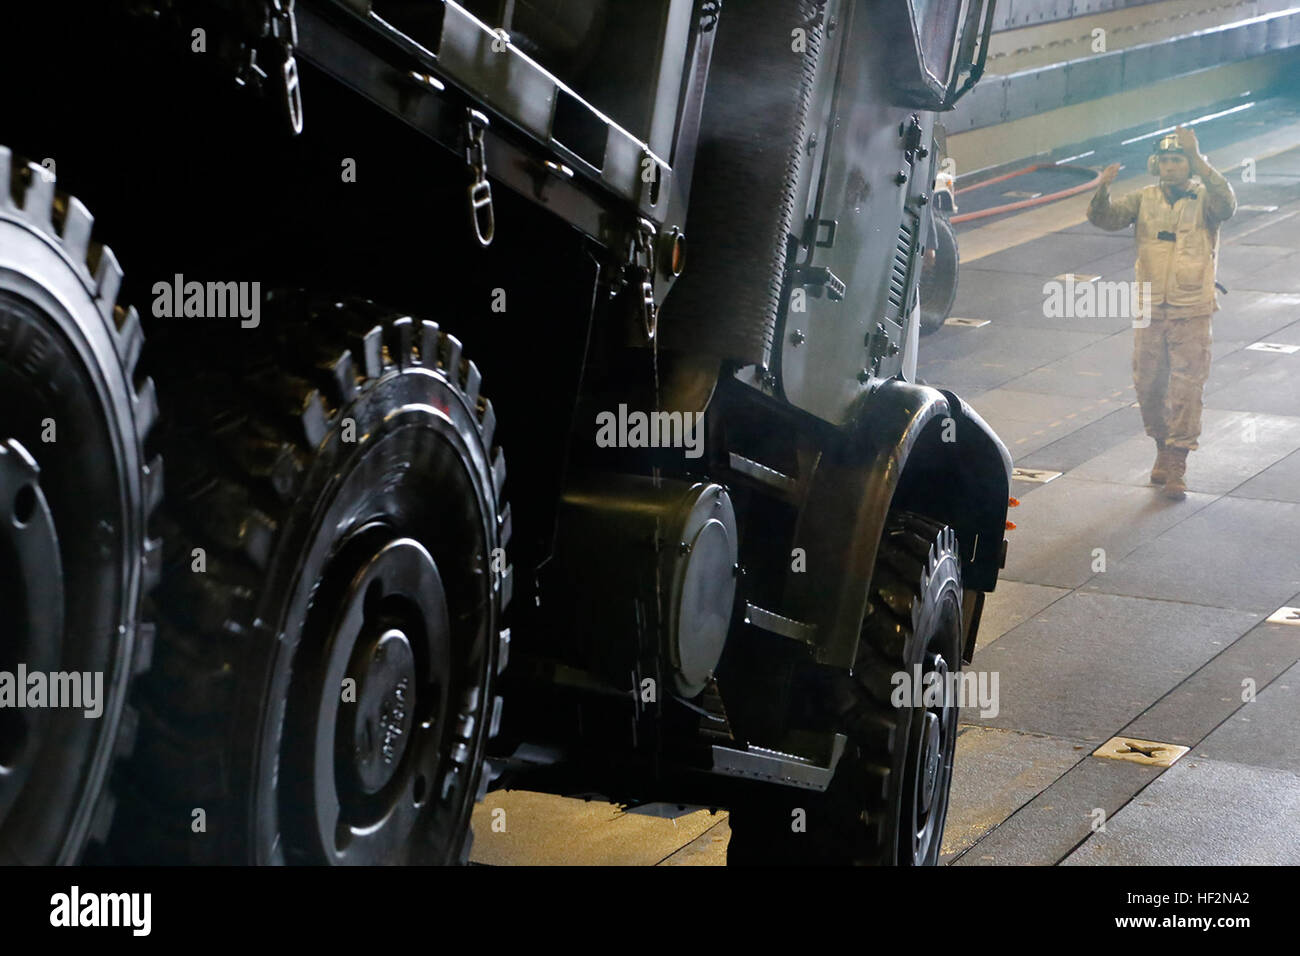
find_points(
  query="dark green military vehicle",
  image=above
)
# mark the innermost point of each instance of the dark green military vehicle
(660, 256)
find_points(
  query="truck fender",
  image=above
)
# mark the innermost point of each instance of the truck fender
(911, 447)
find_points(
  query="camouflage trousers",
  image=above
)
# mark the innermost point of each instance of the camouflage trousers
(1171, 361)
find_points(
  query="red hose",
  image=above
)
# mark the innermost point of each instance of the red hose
(1004, 177)
(1023, 203)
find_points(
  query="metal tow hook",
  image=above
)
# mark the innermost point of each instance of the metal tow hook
(285, 29)
(645, 255)
(481, 214)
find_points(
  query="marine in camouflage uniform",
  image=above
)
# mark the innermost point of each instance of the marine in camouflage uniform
(1177, 226)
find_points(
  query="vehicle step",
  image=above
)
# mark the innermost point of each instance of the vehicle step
(782, 483)
(760, 763)
(775, 623)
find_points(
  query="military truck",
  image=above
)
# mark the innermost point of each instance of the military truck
(657, 255)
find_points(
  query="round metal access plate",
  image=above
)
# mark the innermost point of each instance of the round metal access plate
(708, 590)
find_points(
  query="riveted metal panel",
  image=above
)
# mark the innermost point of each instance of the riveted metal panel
(1140, 67)
(1279, 33)
(1090, 78)
(831, 349)
(1169, 59)
(1016, 95)
(1002, 15)
(1013, 14)
(985, 105)
(1292, 29)
(1234, 45)
(1029, 12)
(1256, 38)
(1034, 91)
(1083, 8)
(1199, 52)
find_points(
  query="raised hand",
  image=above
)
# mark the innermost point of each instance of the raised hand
(1109, 173)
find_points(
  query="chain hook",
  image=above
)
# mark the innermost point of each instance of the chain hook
(284, 27)
(644, 256)
(481, 213)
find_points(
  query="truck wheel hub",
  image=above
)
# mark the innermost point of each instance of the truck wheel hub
(381, 707)
(384, 672)
(29, 561)
(930, 761)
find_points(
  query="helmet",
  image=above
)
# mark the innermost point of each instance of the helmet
(1167, 145)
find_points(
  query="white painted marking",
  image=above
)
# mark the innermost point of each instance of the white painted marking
(1021, 194)
(1248, 207)
(1285, 615)
(1273, 347)
(1199, 119)
(1070, 159)
(967, 323)
(1261, 225)
(1038, 476)
(1076, 277)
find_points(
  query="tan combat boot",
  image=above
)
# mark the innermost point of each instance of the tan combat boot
(1160, 470)
(1175, 474)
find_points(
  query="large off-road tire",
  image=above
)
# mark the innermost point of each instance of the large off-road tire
(76, 491)
(332, 600)
(938, 286)
(889, 798)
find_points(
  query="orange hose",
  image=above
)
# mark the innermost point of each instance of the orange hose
(1023, 203)
(1004, 177)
